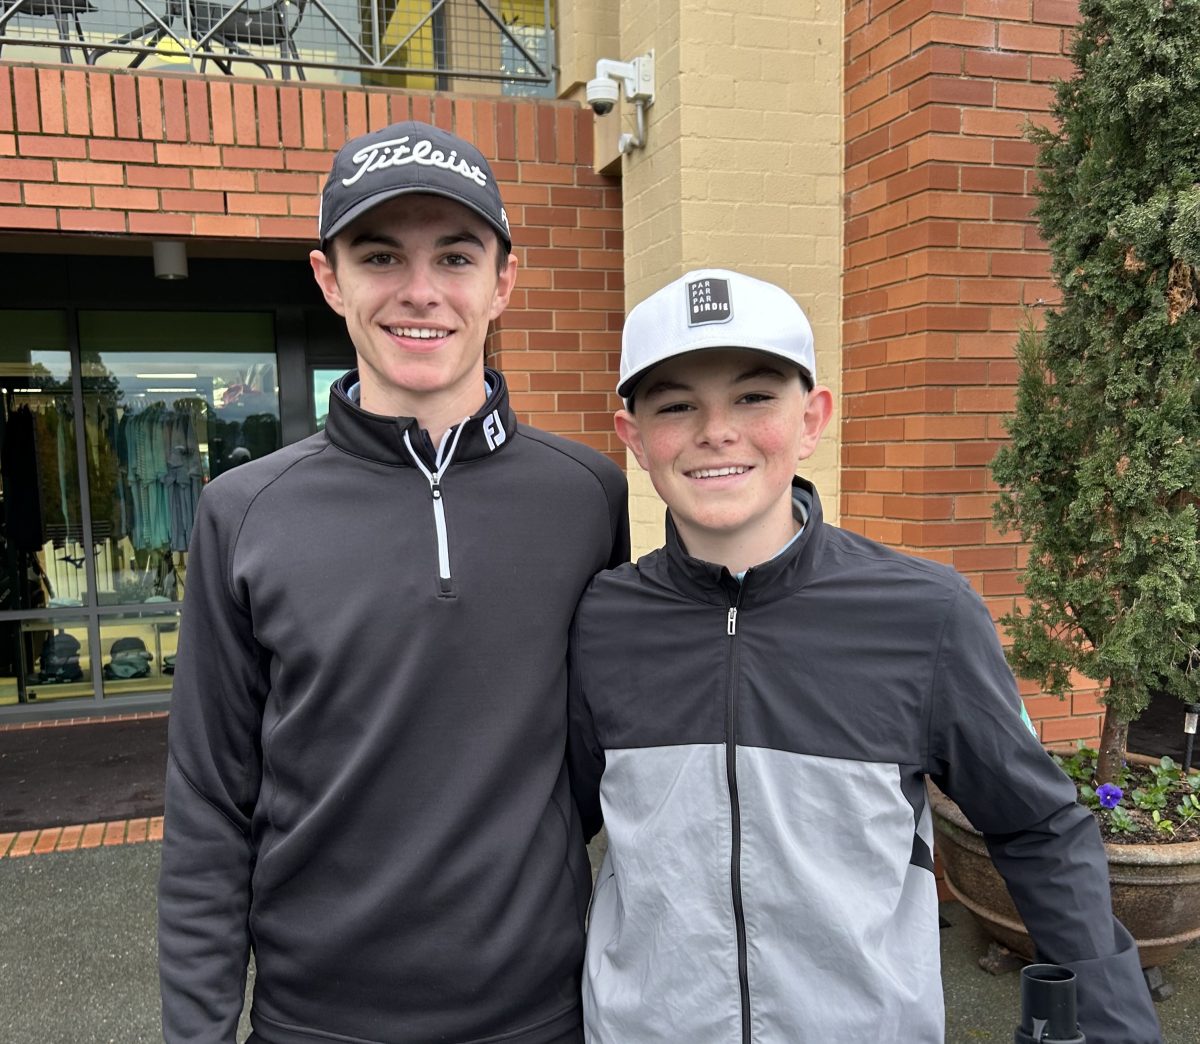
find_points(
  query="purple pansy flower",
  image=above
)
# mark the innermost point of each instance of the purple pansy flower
(1109, 795)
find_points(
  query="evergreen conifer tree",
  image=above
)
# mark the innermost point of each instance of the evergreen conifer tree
(1102, 474)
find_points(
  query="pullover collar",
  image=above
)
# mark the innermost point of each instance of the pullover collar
(776, 578)
(380, 438)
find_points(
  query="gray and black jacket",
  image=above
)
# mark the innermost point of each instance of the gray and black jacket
(366, 780)
(758, 753)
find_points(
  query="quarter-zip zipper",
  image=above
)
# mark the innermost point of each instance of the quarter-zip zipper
(441, 463)
(735, 812)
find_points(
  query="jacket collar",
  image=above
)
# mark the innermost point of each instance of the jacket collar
(774, 579)
(380, 438)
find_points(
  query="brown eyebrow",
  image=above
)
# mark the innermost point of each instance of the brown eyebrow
(661, 387)
(664, 386)
(461, 237)
(759, 372)
(384, 240)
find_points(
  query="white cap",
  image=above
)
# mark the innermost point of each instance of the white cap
(713, 308)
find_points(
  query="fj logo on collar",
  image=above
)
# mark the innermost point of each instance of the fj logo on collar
(708, 302)
(493, 430)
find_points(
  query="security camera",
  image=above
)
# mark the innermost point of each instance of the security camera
(602, 94)
(637, 77)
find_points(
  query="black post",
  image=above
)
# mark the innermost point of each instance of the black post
(1191, 714)
(1048, 1006)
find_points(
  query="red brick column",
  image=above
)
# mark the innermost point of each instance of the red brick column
(85, 152)
(941, 256)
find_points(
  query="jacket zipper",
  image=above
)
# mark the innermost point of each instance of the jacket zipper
(735, 875)
(441, 463)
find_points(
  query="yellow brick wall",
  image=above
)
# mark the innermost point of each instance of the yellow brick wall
(587, 32)
(742, 167)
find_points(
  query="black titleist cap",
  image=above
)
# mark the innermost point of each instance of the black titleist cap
(405, 158)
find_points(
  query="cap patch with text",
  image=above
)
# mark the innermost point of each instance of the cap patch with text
(708, 302)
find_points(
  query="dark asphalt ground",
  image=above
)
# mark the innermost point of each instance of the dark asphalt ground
(77, 958)
(63, 774)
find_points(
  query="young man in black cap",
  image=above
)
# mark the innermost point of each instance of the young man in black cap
(755, 708)
(365, 784)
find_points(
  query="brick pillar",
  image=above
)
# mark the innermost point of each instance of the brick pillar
(941, 256)
(741, 170)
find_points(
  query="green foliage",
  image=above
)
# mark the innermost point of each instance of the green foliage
(1081, 767)
(1102, 474)
(1121, 821)
(1167, 776)
(1161, 784)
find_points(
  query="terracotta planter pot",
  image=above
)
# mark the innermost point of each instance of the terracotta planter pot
(1155, 888)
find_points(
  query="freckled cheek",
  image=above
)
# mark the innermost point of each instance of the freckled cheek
(661, 447)
(773, 439)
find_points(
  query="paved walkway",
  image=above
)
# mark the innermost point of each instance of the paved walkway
(78, 952)
(77, 957)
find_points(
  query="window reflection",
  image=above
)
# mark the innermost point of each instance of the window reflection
(160, 424)
(323, 381)
(169, 401)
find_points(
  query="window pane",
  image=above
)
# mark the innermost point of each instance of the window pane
(42, 660)
(138, 652)
(322, 382)
(42, 550)
(172, 400)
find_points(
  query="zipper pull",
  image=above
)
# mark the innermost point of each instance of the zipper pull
(435, 487)
(731, 626)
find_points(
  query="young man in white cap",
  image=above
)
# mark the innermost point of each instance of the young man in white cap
(755, 708)
(366, 784)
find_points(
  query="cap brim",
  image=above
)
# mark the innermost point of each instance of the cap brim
(371, 202)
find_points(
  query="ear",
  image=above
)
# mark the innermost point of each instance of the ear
(326, 279)
(818, 411)
(630, 434)
(504, 287)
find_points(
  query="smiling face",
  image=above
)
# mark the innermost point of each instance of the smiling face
(721, 433)
(416, 280)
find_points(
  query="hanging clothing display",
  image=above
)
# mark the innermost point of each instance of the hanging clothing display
(62, 514)
(105, 478)
(184, 478)
(164, 474)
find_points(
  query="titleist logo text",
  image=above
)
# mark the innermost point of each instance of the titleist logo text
(398, 153)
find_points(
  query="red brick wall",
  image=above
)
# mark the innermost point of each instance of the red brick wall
(941, 252)
(139, 154)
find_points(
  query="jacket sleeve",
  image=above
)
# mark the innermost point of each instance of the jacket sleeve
(1045, 845)
(213, 775)
(585, 756)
